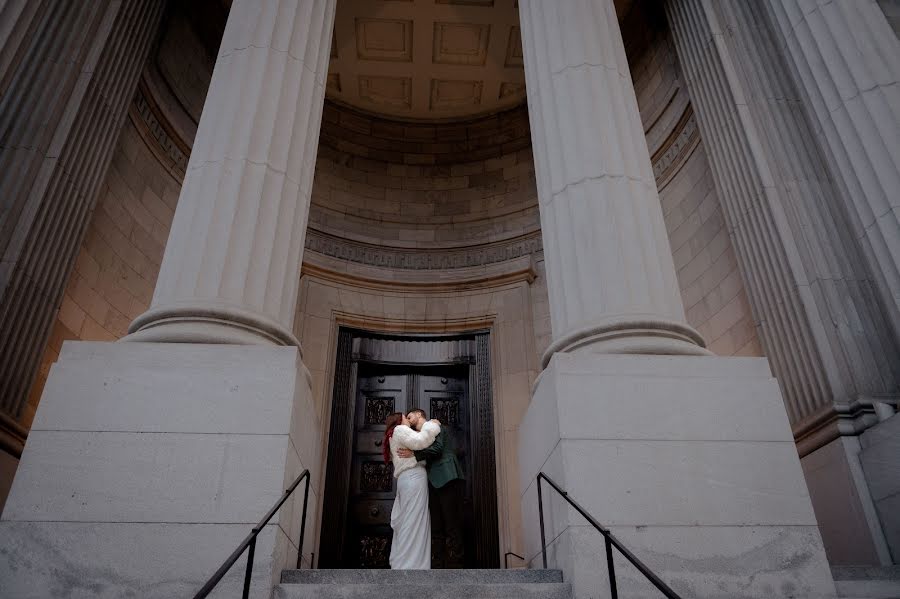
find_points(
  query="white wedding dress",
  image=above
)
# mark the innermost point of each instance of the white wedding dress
(411, 545)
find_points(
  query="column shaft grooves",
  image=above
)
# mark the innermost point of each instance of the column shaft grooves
(823, 333)
(232, 263)
(611, 276)
(58, 178)
(845, 60)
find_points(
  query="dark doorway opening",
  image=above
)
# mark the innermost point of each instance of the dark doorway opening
(449, 378)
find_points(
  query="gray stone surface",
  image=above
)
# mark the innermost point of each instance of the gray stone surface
(41, 560)
(350, 576)
(418, 591)
(839, 498)
(146, 498)
(880, 460)
(716, 507)
(699, 562)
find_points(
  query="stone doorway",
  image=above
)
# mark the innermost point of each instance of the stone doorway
(448, 377)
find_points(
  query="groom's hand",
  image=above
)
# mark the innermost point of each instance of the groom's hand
(404, 452)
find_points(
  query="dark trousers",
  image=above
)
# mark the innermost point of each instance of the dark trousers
(446, 508)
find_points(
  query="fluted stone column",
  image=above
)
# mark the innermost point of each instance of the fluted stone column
(846, 60)
(68, 71)
(822, 325)
(232, 263)
(687, 457)
(825, 332)
(178, 448)
(610, 273)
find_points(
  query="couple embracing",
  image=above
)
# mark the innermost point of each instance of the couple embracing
(429, 482)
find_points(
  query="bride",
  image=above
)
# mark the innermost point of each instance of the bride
(411, 546)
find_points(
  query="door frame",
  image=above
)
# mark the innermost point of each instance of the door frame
(473, 348)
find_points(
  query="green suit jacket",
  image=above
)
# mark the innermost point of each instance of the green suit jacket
(441, 461)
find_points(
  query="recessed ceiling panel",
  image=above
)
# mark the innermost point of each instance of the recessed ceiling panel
(454, 95)
(460, 43)
(388, 93)
(384, 39)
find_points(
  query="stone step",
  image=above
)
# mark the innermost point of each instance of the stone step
(869, 582)
(471, 576)
(402, 590)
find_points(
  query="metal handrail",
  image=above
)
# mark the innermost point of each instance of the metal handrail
(506, 559)
(609, 539)
(250, 541)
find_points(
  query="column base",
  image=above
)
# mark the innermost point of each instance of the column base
(147, 465)
(690, 461)
(208, 324)
(628, 336)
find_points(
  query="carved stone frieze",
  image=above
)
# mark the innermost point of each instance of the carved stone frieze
(421, 258)
(672, 154)
(145, 114)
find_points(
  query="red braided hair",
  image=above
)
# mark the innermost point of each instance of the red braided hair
(390, 422)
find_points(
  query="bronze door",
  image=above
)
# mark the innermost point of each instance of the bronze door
(381, 390)
(375, 376)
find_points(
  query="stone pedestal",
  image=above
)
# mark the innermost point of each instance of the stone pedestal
(147, 465)
(689, 461)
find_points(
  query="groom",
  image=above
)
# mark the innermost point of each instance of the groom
(446, 491)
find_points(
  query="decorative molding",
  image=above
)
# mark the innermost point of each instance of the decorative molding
(375, 477)
(12, 436)
(422, 258)
(384, 39)
(460, 43)
(153, 126)
(514, 55)
(451, 93)
(377, 410)
(395, 92)
(842, 419)
(411, 351)
(675, 150)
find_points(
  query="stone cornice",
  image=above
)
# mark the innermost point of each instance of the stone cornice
(12, 436)
(840, 419)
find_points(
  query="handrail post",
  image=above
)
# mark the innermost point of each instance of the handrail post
(303, 524)
(541, 514)
(613, 591)
(249, 572)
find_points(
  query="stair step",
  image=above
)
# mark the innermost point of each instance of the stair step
(420, 576)
(438, 590)
(871, 582)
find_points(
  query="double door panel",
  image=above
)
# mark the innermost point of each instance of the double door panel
(381, 390)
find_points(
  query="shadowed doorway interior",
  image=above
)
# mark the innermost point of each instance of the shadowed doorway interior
(449, 378)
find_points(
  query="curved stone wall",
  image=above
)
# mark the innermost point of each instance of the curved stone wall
(403, 185)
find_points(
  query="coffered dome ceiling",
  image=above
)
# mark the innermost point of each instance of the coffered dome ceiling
(420, 60)
(428, 59)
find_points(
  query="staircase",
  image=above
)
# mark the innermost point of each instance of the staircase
(422, 584)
